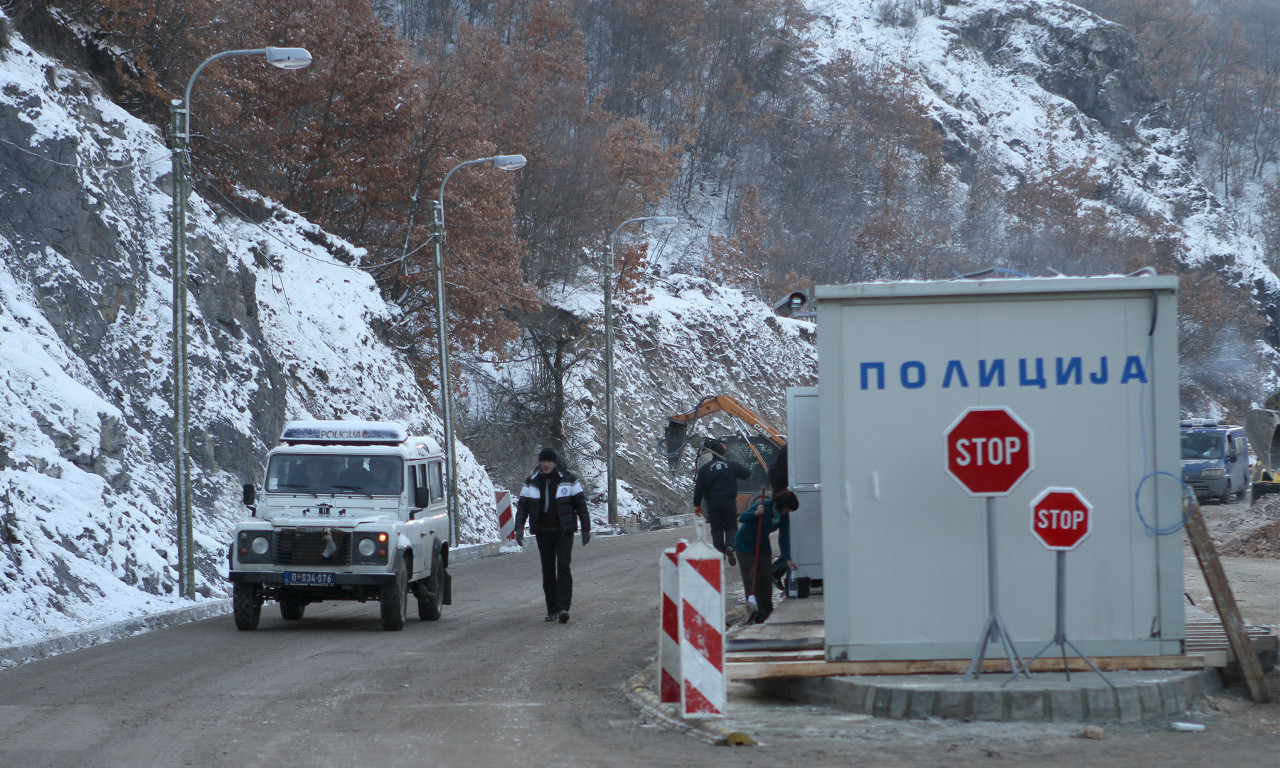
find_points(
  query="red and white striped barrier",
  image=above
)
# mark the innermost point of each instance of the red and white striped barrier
(669, 680)
(506, 515)
(701, 575)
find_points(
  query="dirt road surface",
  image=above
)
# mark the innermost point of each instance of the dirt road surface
(491, 684)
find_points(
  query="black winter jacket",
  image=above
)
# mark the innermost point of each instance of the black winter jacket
(568, 500)
(718, 477)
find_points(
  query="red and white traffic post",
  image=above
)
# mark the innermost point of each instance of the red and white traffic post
(701, 575)
(506, 515)
(1061, 518)
(670, 681)
(988, 454)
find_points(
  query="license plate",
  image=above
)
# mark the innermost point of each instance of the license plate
(305, 579)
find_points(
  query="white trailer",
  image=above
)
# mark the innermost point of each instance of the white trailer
(1090, 366)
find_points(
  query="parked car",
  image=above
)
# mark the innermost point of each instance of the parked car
(1215, 459)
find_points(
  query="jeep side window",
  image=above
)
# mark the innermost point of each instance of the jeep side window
(434, 479)
(419, 476)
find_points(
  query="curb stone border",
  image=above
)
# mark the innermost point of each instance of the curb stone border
(22, 653)
(639, 691)
(17, 655)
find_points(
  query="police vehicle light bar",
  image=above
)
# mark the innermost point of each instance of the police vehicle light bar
(344, 432)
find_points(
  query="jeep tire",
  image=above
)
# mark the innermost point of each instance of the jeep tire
(431, 594)
(245, 606)
(394, 600)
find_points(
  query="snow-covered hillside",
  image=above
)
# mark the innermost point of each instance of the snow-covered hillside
(283, 324)
(1017, 79)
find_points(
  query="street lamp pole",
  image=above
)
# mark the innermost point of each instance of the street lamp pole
(180, 138)
(504, 163)
(610, 448)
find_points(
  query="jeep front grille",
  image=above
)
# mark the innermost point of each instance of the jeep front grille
(307, 547)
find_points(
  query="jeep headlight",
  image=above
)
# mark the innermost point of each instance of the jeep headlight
(1214, 473)
(254, 546)
(370, 547)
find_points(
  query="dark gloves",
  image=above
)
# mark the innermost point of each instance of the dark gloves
(586, 536)
(520, 538)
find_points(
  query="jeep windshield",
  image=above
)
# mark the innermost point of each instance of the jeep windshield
(1200, 447)
(329, 474)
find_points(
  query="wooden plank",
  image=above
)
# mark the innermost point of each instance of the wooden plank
(764, 670)
(1225, 601)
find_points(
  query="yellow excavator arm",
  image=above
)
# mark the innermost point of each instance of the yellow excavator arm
(676, 434)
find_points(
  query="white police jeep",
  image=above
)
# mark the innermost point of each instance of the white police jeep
(350, 510)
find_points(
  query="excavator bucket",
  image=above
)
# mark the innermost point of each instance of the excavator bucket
(673, 442)
(1263, 429)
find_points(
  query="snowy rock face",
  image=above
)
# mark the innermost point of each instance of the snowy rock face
(282, 324)
(1091, 63)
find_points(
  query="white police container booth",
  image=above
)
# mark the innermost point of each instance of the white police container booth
(350, 510)
(1090, 366)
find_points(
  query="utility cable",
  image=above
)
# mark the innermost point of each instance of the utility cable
(83, 166)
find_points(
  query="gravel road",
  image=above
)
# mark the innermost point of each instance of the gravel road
(491, 684)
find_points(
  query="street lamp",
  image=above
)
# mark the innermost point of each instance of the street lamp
(180, 137)
(504, 163)
(610, 451)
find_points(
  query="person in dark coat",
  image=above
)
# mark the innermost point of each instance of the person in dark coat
(553, 502)
(716, 488)
(763, 517)
(778, 471)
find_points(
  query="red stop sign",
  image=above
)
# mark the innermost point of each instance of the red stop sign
(1061, 518)
(988, 451)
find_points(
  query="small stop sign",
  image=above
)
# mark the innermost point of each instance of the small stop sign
(988, 451)
(1061, 518)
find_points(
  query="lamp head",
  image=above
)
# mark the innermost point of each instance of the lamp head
(289, 58)
(508, 162)
(664, 222)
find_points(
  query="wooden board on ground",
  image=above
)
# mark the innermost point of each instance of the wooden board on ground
(1220, 589)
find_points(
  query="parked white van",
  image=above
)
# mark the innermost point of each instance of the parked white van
(349, 510)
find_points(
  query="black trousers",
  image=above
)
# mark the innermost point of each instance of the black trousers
(721, 513)
(555, 549)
